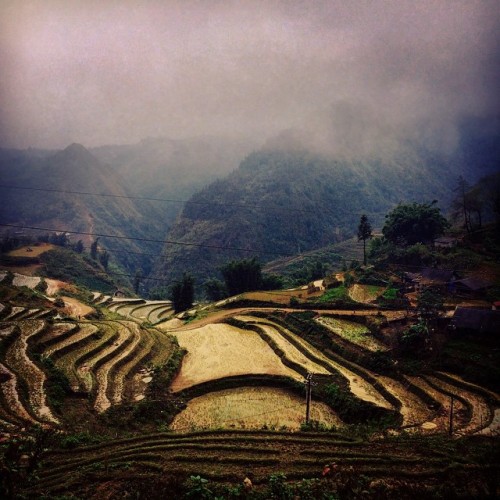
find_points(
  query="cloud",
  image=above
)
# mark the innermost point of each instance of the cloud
(118, 71)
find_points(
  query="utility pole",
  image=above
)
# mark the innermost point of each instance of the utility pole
(451, 416)
(308, 383)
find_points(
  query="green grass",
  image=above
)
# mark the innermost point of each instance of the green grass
(390, 294)
(335, 294)
(81, 270)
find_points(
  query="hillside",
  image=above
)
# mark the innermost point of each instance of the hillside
(172, 169)
(157, 168)
(49, 199)
(280, 203)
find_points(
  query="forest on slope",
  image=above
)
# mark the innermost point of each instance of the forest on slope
(282, 202)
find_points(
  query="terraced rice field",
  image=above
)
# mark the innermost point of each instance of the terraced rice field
(423, 402)
(353, 332)
(358, 385)
(18, 361)
(230, 456)
(250, 408)
(153, 311)
(111, 362)
(219, 350)
(102, 359)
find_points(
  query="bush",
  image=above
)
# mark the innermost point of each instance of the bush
(59, 302)
(42, 286)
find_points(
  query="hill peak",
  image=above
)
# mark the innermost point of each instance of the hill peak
(77, 154)
(75, 146)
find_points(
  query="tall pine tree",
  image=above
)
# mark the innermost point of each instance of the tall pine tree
(364, 233)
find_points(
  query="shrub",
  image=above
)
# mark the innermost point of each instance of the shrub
(42, 286)
(59, 302)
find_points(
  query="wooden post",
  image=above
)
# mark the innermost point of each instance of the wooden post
(451, 416)
(308, 396)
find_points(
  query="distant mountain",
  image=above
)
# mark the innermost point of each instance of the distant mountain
(284, 202)
(158, 168)
(173, 169)
(308, 187)
(73, 169)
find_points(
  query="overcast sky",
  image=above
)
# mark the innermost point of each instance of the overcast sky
(114, 72)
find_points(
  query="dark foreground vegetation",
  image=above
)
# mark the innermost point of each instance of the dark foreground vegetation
(217, 464)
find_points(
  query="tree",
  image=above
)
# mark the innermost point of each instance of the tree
(317, 271)
(271, 282)
(475, 205)
(137, 281)
(59, 239)
(242, 276)
(429, 303)
(459, 204)
(93, 249)
(79, 248)
(182, 293)
(414, 339)
(468, 201)
(364, 233)
(104, 259)
(414, 223)
(214, 289)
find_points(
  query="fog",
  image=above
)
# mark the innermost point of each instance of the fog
(358, 73)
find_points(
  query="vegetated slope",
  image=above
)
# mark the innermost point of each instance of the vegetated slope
(75, 169)
(157, 465)
(285, 202)
(80, 269)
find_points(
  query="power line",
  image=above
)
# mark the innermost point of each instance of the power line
(341, 257)
(149, 240)
(165, 200)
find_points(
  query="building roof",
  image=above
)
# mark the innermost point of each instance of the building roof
(431, 275)
(474, 283)
(480, 320)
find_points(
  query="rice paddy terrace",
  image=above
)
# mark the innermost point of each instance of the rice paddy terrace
(226, 390)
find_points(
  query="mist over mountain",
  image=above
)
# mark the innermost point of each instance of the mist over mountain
(304, 190)
(173, 169)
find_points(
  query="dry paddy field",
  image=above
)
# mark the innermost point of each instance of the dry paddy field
(219, 350)
(365, 293)
(216, 351)
(250, 408)
(31, 251)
